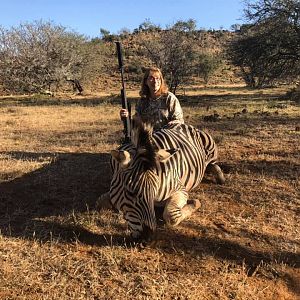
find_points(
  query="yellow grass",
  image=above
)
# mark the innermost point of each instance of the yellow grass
(243, 243)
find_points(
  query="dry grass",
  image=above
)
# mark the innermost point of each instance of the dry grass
(242, 244)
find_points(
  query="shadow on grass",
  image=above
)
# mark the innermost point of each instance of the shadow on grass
(189, 249)
(204, 100)
(213, 99)
(41, 101)
(45, 231)
(72, 182)
(257, 262)
(282, 169)
(276, 169)
(223, 248)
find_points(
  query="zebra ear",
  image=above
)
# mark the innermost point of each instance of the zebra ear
(163, 155)
(122, 157)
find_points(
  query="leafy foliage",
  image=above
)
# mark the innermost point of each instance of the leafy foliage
(42, 56)
(268, 49)
(185, 26)
(174, 54)
(206, 65)
(34, 56)
(147, 25)
(176, 51)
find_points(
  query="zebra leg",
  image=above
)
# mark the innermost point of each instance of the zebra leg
(177, 208)
(217, 172)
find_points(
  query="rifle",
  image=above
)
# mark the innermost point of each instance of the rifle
(125, 104)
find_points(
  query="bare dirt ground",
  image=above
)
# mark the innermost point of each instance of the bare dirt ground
(243, 243)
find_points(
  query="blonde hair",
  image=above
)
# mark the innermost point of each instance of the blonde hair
(145, 92)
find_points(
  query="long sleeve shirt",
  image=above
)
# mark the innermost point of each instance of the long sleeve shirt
(161, 111)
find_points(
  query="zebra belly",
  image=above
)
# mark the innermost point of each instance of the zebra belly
(172, 182)
(189, 162)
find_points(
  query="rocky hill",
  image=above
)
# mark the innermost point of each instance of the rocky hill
(136, 58)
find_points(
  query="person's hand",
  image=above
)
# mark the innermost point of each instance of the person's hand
(124, 113)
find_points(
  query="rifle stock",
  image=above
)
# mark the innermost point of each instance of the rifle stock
(124, 102)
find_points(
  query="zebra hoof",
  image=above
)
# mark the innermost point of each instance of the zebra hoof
(220, 179)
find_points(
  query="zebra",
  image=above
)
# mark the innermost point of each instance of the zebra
(160, 168)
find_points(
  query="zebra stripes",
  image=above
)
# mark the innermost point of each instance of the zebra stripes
(160, 168)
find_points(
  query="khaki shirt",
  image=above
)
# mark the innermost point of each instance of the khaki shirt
(164, 110)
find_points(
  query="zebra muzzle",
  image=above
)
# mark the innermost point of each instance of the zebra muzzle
(147, 235)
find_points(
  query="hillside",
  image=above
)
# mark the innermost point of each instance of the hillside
(135, 59)
(46, 62)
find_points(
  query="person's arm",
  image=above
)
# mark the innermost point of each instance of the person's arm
(124, 112)
(175, 110)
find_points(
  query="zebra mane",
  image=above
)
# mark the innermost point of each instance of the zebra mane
(141, 137)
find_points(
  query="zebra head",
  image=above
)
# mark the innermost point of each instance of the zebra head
(138, 181)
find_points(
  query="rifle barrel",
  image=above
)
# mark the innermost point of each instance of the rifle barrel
(119, 52)
(124, 102)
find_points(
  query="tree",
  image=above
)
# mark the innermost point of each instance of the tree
(174, 53)
(206, 65)
(35, 55)
(254, 52)
(185, 26)
(104, 33)
(99, 56)
(235, 27)
(123, 32)
(147, 25)
(268, 49)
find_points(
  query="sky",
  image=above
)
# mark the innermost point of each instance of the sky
(88, 16)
